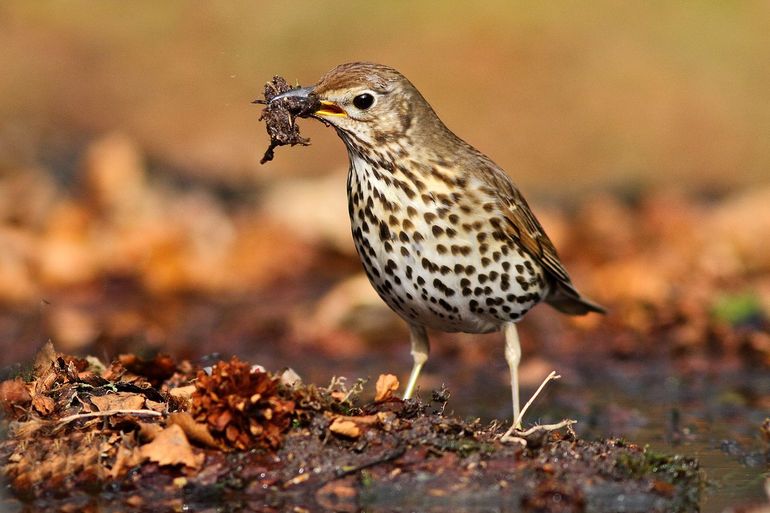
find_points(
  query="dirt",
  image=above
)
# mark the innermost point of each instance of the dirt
(84, 436)
(279, 115)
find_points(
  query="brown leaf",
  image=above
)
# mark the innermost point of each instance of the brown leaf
(343, 427)
(44, 358)
(183, 392)
(170, 447)
(43, 404)
(194, 430)
(386, 385)
(14, 394)
(149, 430)
(118, 401)
(125, 459)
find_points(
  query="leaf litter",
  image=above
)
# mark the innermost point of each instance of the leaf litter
(236, 432)
(279, 115)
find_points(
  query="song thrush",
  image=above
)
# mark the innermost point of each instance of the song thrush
(445, 237)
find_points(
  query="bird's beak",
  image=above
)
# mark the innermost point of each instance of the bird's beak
(326, 108)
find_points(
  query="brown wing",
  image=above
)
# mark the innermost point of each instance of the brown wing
(521, 224)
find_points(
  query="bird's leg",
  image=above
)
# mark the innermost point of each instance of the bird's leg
(513, 356)
(420, 350)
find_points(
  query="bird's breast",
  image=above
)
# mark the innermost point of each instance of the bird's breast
(432, 253)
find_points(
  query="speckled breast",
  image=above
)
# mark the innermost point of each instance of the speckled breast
(434, 257)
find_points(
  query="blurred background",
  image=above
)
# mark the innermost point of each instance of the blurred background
(134, 215)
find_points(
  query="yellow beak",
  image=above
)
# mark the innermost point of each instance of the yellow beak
(330, 109)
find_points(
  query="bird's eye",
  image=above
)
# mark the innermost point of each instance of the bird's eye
(363, 101)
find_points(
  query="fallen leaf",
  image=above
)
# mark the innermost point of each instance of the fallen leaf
(118, 401)
(149, 430)
(44, 358)
(170, 447)
(345, 427)
(194, 430)
(182, 392)
(156, 405)
(124, 459)
(386, 385)
(43, 404)
(14, 393)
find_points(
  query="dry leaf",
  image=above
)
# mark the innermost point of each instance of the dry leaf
(124, 459)
(43, 404)
(149, 430)
(194, 430)
(182, 392)
(343, 427)
(118, 401)
(386, 385)
(170, 447)
(160, 407)
(14, 393)
(44, 358)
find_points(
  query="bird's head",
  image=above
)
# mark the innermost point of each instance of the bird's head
(368, 103)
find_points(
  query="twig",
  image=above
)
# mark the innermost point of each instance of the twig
(392, 455)
(521, 436)
(108, 413)
(517, 420)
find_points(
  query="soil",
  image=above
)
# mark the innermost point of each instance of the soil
(279, 115)
(90, 437)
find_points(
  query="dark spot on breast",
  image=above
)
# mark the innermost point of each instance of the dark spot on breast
(404, 251)
(441, 249)
(384, 231)
(437, 230)
(403, 237)
(454, 218)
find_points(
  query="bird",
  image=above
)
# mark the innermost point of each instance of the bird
(444, 235)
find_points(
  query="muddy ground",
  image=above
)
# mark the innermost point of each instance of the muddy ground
(156, 436)
(123, 261)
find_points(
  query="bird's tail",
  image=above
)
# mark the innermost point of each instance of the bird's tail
(567, 300)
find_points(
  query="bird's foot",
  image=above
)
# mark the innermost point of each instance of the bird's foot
(517, 426)
(534, 436)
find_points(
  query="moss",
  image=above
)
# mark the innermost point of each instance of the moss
(737, 309)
